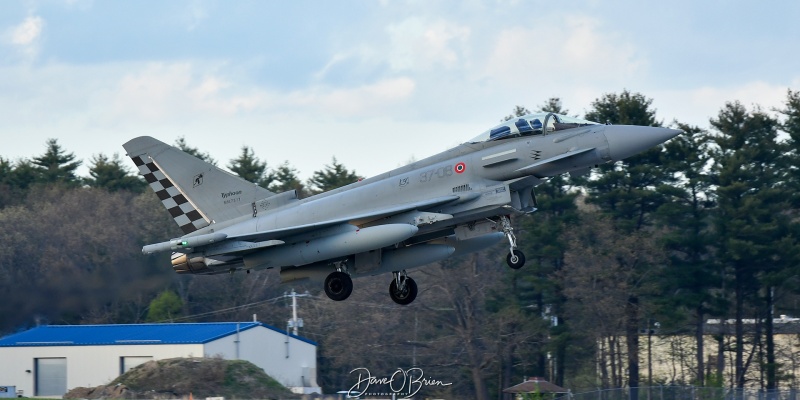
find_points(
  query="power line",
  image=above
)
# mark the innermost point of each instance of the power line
(224, 310)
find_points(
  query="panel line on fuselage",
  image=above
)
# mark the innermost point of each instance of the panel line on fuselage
(502, 153)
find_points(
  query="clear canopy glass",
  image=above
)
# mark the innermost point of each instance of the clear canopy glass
(531, 124)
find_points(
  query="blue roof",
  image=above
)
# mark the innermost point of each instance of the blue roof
(97, 335)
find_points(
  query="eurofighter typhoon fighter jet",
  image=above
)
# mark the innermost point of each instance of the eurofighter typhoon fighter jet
(453, 203)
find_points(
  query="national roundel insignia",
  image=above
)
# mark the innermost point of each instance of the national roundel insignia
(461, 167)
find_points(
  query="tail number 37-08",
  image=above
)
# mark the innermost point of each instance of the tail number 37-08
(441, 172)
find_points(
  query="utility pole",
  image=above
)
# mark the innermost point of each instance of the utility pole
(295, 322)
(414, 349)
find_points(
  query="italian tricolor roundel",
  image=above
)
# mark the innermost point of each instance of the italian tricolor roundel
(461, 167)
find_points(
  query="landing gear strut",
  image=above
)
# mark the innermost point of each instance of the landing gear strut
(338, 286)
(515, 258)
(403, 289)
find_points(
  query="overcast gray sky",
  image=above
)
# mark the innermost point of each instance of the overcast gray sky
(374, 83)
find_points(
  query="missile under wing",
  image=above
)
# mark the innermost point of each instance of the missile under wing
(455, 202)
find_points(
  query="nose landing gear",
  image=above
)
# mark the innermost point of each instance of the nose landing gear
(515, 258)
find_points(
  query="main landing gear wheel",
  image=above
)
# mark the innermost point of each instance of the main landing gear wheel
(515, 259)
(338, 286)
(403, 290)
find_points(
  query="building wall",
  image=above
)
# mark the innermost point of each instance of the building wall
(86, 365)
(293, 365)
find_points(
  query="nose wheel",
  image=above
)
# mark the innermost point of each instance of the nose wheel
(338, 286)
(515, 258)
(403, 289)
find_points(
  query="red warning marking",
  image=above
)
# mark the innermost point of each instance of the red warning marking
(461, 167)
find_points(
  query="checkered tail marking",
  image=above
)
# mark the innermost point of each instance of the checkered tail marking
(181, 209)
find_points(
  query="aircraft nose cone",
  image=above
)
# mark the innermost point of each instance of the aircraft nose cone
(627, 140)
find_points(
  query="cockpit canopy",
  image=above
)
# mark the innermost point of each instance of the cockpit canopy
(531, 124)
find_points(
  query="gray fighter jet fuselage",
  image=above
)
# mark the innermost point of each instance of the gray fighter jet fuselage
(456, 202)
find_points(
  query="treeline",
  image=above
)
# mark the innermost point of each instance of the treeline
(70, 246)
(703, 226)
(56, 166)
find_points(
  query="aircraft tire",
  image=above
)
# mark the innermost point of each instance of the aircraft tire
(338, 286)
(515, 262)
(405, 297)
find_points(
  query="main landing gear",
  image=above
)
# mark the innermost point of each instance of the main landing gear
(403, 289)
(338, 285)
(515, 258)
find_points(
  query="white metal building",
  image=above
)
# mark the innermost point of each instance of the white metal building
(50, 360)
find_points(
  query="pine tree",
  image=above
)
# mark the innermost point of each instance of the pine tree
(790, 246)
(286, 178)
(5, 170)
(194, 151)
(553, 105)
(112, 175)
(518, 112)
(250, 168)
(625, 108)
(791, 125)
(626, 191)
(750, 203)
(685, 215)
(542, 236)
(23, 175)
(6, 189)
(334, 175)
(56, 166)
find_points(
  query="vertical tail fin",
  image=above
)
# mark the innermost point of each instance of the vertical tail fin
(195, 193)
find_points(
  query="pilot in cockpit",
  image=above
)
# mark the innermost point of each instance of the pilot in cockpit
(537, 126)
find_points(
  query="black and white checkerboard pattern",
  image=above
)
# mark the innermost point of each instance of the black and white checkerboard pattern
(184, 213)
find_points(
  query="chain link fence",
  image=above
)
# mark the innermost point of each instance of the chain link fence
(684, 393)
